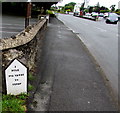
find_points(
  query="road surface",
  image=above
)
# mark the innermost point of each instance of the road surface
(102, 41)
(12, 25)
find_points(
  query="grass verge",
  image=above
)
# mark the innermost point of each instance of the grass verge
(14, 104)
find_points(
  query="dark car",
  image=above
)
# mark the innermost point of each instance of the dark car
(112, 18)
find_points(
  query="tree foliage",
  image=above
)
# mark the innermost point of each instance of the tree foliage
(82, 6)
(97, 8)
(69, 6)
(117, 11)
(112, 8)
(103, 8)
(90, 9)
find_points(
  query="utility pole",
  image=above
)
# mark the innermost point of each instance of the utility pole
(28, 15)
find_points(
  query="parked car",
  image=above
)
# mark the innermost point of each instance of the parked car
(118, 17)
(88, 14)
(105, 15)
(93, 14)
(101, 15)
(112, 18)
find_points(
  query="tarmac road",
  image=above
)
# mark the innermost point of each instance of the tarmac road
(12, 25)
(102, 41)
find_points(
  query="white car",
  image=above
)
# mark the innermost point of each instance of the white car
(93, 14)
(106, 15)
(112, 18)
(101, 15)
(88, 14)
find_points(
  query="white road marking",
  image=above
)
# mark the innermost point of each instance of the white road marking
(102, 30)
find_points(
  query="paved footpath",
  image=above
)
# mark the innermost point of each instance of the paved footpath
(74, 81)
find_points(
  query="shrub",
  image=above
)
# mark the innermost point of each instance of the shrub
(104, 11)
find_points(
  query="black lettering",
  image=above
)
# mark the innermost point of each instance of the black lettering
(16, 75)
(10, 75)
(19, 75)
(16, 79)
(15, 70)
(16, 84)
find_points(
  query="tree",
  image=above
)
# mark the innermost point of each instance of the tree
(117, 11)
(90, 9)
(82, 6)
(112, 8)
(103, 8)
(86, 11)
(97, 8)
(69, 6)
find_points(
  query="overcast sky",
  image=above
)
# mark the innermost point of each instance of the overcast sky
(106, 3)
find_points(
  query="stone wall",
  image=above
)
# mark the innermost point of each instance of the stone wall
(23, 46)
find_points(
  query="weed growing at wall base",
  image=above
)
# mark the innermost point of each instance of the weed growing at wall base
(11, 103)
